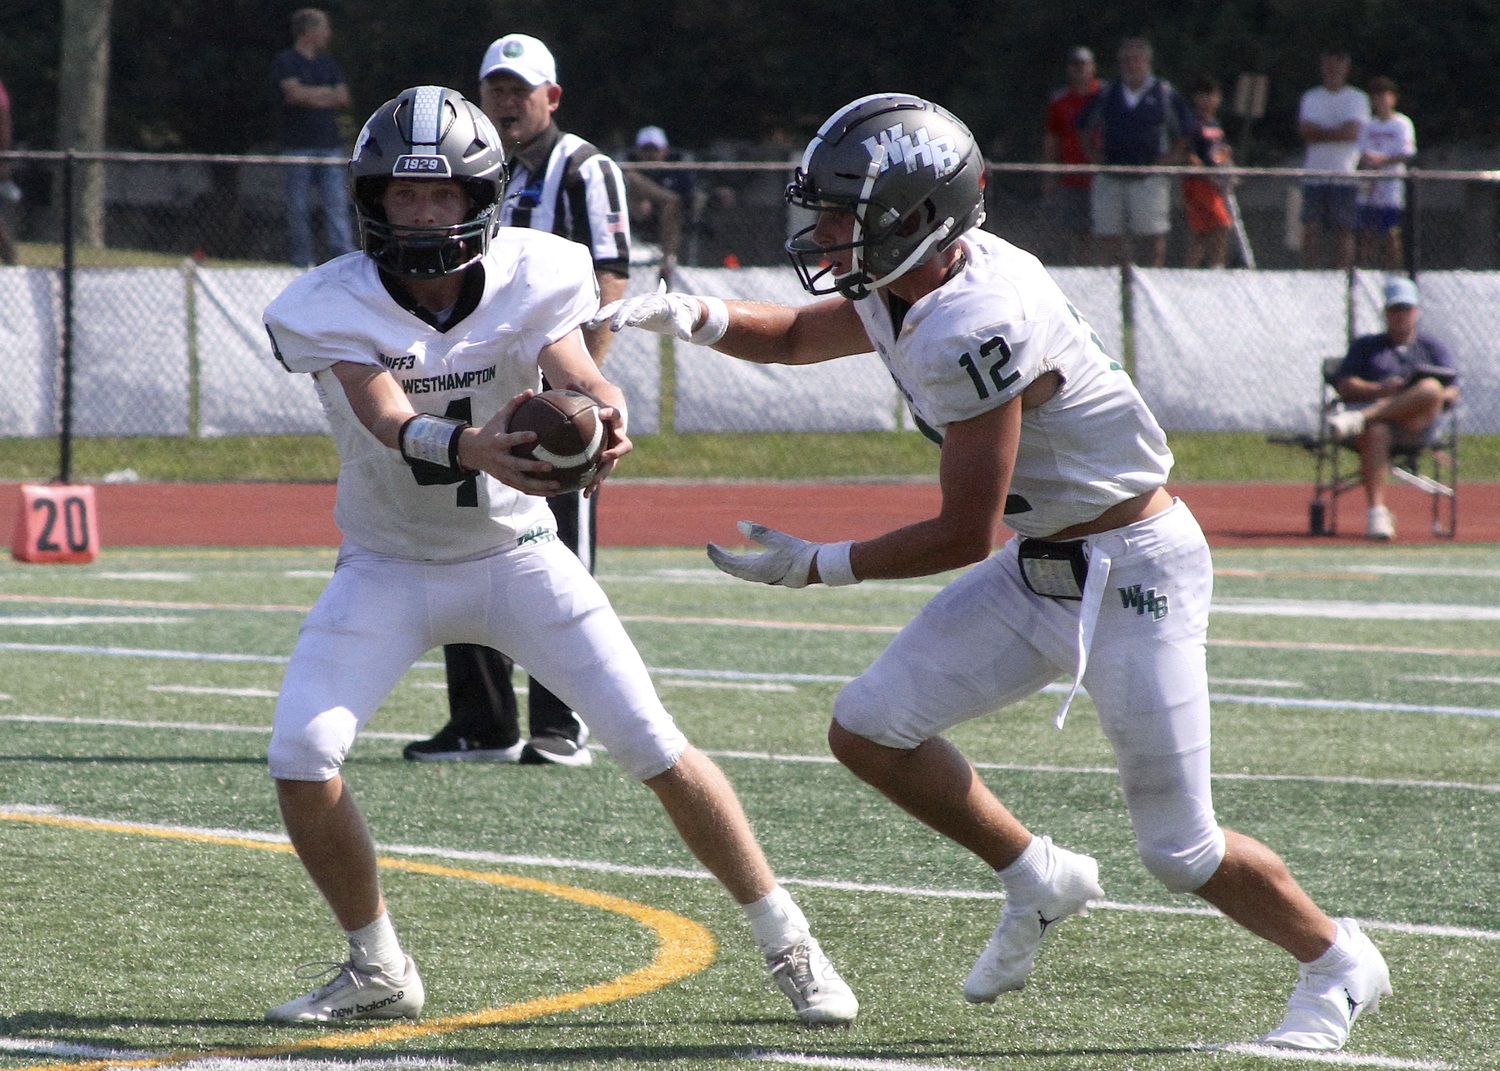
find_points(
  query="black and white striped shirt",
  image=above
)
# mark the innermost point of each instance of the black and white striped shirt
(561, 183)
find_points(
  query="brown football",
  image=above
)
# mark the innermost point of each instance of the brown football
(569, 435)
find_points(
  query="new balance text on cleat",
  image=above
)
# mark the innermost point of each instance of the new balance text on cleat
(354, 994)
(1008, 958)
(805, 974)
(1326, 1003)
(451, 746)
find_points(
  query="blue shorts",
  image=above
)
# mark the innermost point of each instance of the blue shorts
(1379, 219)
(1330, 206)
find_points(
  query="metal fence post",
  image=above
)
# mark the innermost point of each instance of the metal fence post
(65, 416)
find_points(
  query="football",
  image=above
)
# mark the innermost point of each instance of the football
(569, 435)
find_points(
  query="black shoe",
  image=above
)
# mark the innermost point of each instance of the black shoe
(450, 746)
(558, 750)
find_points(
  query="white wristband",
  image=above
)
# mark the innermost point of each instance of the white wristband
(715, 322)
(432, 439)
(833, 564)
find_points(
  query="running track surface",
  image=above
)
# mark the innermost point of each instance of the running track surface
(644, 513)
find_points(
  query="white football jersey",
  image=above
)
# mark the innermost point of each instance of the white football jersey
(537, 288)
(987, 334)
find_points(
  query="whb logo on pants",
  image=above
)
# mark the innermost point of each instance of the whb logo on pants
(1147, 602)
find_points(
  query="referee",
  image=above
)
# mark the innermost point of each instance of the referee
(560, 183)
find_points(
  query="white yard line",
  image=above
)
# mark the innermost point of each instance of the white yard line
(604, 867)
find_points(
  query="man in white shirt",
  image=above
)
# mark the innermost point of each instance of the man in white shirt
(1328, 122)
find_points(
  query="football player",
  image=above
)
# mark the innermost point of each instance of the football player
(1107, 579)
(422, 344)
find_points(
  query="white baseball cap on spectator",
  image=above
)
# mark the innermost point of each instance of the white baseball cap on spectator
(521, 55)
(1400, 290)
(652, 136)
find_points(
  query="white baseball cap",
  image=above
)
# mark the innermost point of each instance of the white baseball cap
(653, 136)
(1400, 290)
(521, 55)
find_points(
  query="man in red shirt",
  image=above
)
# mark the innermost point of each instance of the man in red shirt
(1062, 144)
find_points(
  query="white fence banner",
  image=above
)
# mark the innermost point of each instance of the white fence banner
(28, 341)
(719, 393)
(1214, 351)
(1235, 350)
(243, 389)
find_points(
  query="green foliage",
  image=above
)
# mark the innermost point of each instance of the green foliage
(191, 75)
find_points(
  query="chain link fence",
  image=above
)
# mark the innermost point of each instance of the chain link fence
(148, 321)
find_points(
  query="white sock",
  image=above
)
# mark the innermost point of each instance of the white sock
(374, 948)
(776, 922)
(1031, 868)
(1338, 958)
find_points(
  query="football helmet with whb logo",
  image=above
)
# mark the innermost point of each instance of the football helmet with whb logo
(911, 174)
(427, 132)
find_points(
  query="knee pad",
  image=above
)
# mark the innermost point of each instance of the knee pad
(313, 751)
(859, 709)
(1183, 868)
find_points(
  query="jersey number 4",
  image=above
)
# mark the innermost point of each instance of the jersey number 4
(468, 482)
(995, 370)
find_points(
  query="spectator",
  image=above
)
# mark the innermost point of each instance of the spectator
(438, 283)
(1394, 384)
(1062, 144)
(10, 193)
(1329, 120)
(559, 183)
(660, 199)
(309, 83)
(1387, 142)
(1203, 198)
(1137, 120)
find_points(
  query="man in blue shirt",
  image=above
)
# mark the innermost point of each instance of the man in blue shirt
(309, 84)
(1394, 385)
(1137, 120)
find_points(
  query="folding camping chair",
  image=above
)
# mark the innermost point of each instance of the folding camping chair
(1430, 467)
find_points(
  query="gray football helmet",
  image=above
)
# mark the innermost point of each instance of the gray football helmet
(427, 132)
(911, 174)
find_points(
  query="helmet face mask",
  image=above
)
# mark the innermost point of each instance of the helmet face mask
(910, 174)
(427, 133)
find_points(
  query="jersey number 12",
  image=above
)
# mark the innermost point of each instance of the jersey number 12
(969, 365)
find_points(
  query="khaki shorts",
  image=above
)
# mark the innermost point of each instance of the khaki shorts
(1128, 205)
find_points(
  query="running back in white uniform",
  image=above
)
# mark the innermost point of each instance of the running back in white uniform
(537, 288)
(983, 338)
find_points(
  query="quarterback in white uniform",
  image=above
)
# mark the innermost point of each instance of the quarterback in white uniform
(423, 344)
(1108, 578)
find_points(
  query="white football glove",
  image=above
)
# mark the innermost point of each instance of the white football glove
(786, 561)
(668, 313)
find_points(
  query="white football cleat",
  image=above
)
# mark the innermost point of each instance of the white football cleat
(354, 994)
(1006, 961)
(1325, 1004)
(805, 974)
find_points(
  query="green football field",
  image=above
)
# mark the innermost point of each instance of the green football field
(150, 910)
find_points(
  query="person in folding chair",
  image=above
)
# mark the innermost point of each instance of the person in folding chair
(1394, 385)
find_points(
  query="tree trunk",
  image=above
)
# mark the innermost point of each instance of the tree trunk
(83, 95)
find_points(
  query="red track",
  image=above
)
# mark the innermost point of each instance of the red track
(649, 513)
